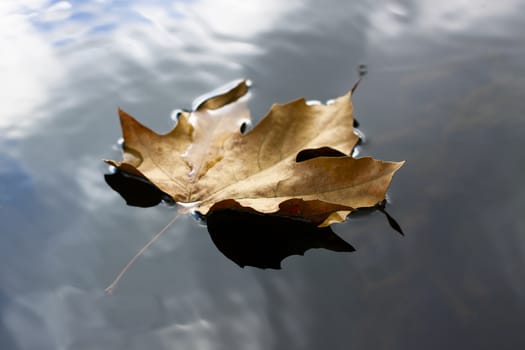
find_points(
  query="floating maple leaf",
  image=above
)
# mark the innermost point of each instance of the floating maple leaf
(295, 162)
(285, 180)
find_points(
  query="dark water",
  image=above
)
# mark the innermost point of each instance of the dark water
(445, 91)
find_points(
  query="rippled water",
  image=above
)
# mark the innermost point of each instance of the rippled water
(444, 91)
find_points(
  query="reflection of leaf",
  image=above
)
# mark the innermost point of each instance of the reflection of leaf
(137, 191)
(391, 221)
(251, 239)
(293, 163)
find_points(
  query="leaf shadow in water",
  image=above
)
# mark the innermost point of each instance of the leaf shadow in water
(250, 238)
(253, 239)
(263, 240)
(135, 190)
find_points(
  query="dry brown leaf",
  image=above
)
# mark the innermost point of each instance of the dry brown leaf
(206, 160)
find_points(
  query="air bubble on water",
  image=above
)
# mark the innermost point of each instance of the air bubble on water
(356, 151)
(360, 134)
(188, 207)
(191, 208)
(313, 103)
(119, 146)
(168, 201)
(245, 126)
(201, 219)
(176, 114)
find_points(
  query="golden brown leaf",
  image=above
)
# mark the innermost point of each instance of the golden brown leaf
(206, 160)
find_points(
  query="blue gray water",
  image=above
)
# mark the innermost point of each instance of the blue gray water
(445, 91)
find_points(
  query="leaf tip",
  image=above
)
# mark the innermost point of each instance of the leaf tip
(122, 114)
(111, 162)
(222, 96)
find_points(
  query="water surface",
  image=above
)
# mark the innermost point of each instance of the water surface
(444, 91)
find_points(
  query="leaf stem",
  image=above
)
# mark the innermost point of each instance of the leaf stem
(111, 288)
(363, 70)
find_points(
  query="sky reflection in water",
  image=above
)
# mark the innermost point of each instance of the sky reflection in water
(444, 91)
